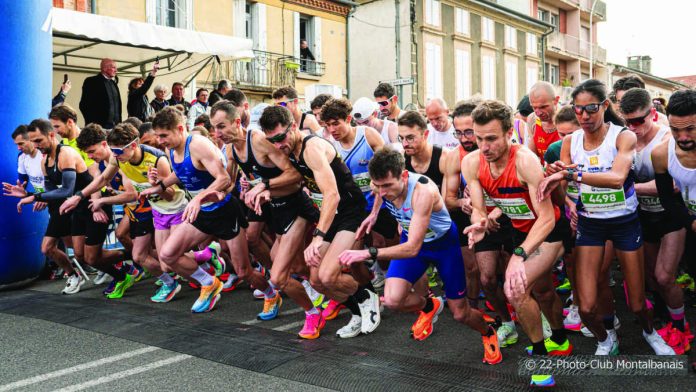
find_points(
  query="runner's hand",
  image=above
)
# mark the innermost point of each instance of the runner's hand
(476, 232)
(366, 226)
(69, 204)
(515, 278)
(40, 206)
(95, 204)
(348, 257)
(261, 199)
(152, 176)
(465, 205)
(250, 195)
(25, 200)
(243, 187)
(312, 254)
(191, 211)
(153, 190)
(553, 168)
(14, 190)
(100, 216)
(548, 184)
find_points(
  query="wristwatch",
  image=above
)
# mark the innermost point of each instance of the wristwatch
(266, 183)
(373, 253)
(519, 251)
(569, 176)
(80, 195)
(161, 184)
(318, 233)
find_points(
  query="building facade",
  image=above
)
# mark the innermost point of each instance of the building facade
(657, 87)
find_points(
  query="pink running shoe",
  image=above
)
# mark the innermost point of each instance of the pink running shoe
(331, 310)
(312, 326)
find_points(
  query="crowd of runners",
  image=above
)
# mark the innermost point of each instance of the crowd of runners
(489, 211)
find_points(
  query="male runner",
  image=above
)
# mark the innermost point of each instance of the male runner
(364, 113)
(388, 102)
(287, 97)
(428, 236)
(544, 100)
(440, 127)
(342, 208)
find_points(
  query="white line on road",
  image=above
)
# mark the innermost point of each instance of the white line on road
(125, 373)
(256, 321)
(289, 326)
(75, 369)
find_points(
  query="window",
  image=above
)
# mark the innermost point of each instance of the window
(432, 12)
(532, 76)
(553, 74)
(555, 20)
(461, 19)
(532, 44)
(463, 74)
(542, 14)
(511, 83)
(510, 37)
(487, 29)
(433, 71)
(488, 76)
(172, 13)
(309, 29)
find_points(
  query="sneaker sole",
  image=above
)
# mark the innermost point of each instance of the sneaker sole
(348, 336)
(508, 342)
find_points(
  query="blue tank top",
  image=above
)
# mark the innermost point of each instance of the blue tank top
(357, 158)
(440, 221)
(193, 180)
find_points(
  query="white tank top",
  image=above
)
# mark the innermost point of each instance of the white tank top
(446, 139)
(385, 136)
(683, 176)
(643, 168)
(596, 202)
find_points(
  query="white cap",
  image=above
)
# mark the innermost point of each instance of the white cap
(363, 108)
(255, 113)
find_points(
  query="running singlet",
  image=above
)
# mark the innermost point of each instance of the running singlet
(357, 158)
(440, 221)
(433, 171)
(446, 139)
(683, 176)
(73, 143)
(542, 139)
(509, 194)
(194, 180)
(29, 169)
(517, 134)
(596, 202)
(385, 136)
(643, 167)
(347, 189)
(136, 211)
(137, 173)
(253, 170)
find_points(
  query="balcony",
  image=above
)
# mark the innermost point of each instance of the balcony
(572, 48)
(266, 72)
(600, 11)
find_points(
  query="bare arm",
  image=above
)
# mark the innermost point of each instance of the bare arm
(530, 173)
(451, 182)
(469, 167)
(164, 170)
(315, 157)
(614, 178)
(289, 176)
(205, 154)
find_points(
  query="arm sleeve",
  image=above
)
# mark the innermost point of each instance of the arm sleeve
(58, 99)
(67, 189)
(672, 203)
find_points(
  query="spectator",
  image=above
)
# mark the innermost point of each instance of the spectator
(138, 104)
(305, 56)
(204, 121)
(178, 97)
(101, 99)
(222, 88)
(136, 122)
(198, 108)
(159, 103)
(62, 93)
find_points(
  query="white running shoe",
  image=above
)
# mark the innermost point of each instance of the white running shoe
(586, 332)
(73, 284)
(610, 347)
(258, 294)
(378, 280)
(369, 312)
(102, 277)
(352, 329)
(546, 327)
(658, 344)
(572, 321)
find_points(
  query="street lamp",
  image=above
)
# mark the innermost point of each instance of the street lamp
(594, 3)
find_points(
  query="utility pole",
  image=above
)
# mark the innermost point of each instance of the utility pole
(594, 3)
(397, 35)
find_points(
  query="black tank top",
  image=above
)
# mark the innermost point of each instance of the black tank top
(252, 168)
(351, 195)
(304, 115)
(433, 171)
(54, 179)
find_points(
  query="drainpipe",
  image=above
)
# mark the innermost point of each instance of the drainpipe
(93, 6)
(352, 4)
(397, 43)
(543, 51)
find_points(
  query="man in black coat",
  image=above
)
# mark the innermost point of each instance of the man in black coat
(101, 99)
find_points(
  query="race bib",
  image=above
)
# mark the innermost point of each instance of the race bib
(572, 191)
(650, 203)
(254, 182)
(602, 199)
(487, 199)
(429, 234)
(317, 199)
(362, 180)
(516, 208)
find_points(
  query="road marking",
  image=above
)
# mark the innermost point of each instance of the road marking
(75, 369)
(256, 321)
(289, 326)
(125, 373)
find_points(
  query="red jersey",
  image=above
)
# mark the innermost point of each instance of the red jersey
(509, 194)
(543, 139)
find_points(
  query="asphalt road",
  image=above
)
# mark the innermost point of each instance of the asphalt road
(50, 341)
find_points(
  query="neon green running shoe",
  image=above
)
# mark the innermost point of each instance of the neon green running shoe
(121, 287)
(554, 348)
(542, 381)
(564, 288)
(432, 277)
(216, 260)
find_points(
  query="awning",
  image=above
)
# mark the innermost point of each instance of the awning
(81, 40)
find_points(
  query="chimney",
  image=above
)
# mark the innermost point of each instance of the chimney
(640, 63)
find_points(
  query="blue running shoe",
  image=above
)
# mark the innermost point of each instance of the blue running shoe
(166, 293)
(271, 307)
(208, 298)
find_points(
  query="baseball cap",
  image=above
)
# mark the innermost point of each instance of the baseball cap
(363, 108)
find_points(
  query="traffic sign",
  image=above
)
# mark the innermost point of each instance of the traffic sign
(398, 82)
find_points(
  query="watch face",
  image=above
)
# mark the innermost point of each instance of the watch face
(518, 251)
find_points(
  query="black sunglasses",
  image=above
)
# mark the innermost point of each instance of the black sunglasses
(637, 121)
(281, 136)
(590, 108)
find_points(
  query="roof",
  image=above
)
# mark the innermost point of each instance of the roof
(689, 80)
(647, 76)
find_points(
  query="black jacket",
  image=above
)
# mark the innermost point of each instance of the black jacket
(138, 104)
(214, 97)
(98, 103)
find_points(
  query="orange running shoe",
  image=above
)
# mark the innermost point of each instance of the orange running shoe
(423, 327)
(488, 319)
(331, 310)
(491, 349)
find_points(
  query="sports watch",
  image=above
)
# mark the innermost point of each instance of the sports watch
(318, 233)
(373, 253)
(519, 251)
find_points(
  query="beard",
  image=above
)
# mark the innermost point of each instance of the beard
(469, 146)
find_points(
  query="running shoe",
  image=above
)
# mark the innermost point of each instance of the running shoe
(555, 349)
(102, 277)
(56, 274)
(121, 287)
(271, 307)
(216, 259)
(377, 276)
(564, 287)
(73, 285)
(352, 329)
(138, 273)
(587, 333)
(231, 283)
(312, 326)
(332, 309)
(110, 288)
(258, 294)
(542, 381)
(432, 277)
(667, 329)
(166, 293)
(513, 313)
(658, 344)
(572, 321)
(369, 312)
(488, 319)
(208, 297)
(174, 276)
(423, 327)
(685, 281)
(491, 348)
(678, 341)
(507, 335)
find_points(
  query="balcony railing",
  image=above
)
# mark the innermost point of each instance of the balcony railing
(586, 5)
(266, 71)
(576, 47)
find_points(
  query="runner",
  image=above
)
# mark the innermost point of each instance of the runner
(510, 174)
(364, 113)
(428, 236)
(287, 97)
(388, 102)
(544, 101)
(342, 208)
(603, 154)
(440, 128)
(289, 211)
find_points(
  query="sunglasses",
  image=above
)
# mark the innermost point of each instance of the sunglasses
(284, 103)
(279, 137)
(121, 150)
(386, 102)
(637, 121)
(466, 133)
(590, 109)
